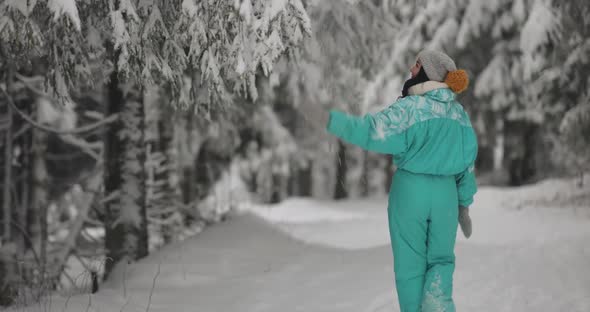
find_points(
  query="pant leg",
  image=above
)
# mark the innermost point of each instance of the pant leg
(408, 212)
(442, 231)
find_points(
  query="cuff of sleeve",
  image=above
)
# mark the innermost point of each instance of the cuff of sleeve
(336, 122)
(466, 202)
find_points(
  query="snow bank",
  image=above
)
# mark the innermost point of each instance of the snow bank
(303, 210)
(530, 215)
(521, 257)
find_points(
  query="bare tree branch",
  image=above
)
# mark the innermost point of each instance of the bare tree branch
(28, 82)
(86, 147)
(21, 131)
(83, 129)
(30, 241)
(153, 287)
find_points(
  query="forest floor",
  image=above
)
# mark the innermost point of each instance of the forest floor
(529, 251)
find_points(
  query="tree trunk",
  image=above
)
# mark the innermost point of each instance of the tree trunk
(300, 181)
(112, 175)
(173, 156)
(364, 187)
(189, 183)
(168, 174)
(40, 196)
(276, 196)
(134, 169)
(126, 237)
(340, 191)
(306, 180)
(499, 147)
(521, 148)
(22, 224)
(23, 180)
(23, 220)
(6, 196)
(292, 185)
(166, 142)
(8, 290)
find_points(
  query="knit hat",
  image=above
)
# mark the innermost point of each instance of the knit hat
(440, 67)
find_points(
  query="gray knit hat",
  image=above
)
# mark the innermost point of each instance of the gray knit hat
(436, 64)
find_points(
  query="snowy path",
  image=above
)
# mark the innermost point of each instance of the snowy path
(336, 257)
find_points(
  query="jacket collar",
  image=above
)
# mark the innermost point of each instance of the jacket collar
(427, 86)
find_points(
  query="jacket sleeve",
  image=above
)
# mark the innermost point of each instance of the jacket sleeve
(381, 132)
(466, 186)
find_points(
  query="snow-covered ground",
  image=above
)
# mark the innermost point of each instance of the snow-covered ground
(530, 251)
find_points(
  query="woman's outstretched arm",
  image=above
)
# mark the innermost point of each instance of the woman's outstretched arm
(381, 132)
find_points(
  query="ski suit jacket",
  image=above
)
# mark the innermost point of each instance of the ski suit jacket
(428, 133)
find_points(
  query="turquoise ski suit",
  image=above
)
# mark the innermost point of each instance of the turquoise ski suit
(434, 147)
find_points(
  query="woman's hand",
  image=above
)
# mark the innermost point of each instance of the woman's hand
(315, 114)
(465, 221)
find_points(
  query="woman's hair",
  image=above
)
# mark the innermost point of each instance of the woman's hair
(420, 78)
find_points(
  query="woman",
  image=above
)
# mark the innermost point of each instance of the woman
(434, 147)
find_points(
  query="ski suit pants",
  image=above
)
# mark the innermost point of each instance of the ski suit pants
(423, 219)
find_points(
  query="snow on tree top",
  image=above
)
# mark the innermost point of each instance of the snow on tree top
(64, 7)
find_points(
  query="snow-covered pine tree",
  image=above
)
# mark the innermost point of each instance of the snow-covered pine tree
(163, 197)
(22, 42)
(523, 79)
(350, 43)
(574, 130)
(491, 31)
(486, 38)
(221, 44)
(567, 83)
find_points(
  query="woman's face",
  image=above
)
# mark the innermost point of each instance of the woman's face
(415, 69)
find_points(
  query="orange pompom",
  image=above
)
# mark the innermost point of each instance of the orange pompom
(457, 80)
